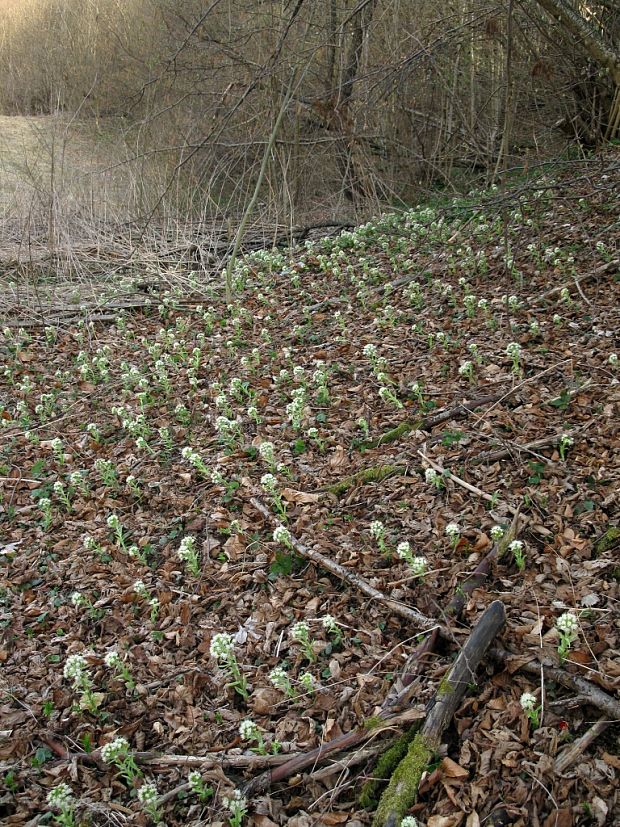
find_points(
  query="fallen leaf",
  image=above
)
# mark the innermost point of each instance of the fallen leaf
(338, 457)
(559, 818)
(292, 496)
(452, 770)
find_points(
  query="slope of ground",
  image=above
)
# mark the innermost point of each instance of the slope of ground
(137, 524)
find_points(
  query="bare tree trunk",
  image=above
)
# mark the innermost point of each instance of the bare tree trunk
(332, 46)
(592, 42)
(350, 153)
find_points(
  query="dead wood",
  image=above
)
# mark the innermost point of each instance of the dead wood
(568, 757)
(500, 453)
(590, 693)
(459, 411)
(404, 686)
(609, 267)
(376, 473)
(402, 789)
(464, 484)
(419, 620)
(342, 743)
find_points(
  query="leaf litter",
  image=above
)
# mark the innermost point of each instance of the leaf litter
(161, 420)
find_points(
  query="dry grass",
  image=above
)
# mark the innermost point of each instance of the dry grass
(51, 157)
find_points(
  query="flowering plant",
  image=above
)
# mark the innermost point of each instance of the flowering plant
(222, 650)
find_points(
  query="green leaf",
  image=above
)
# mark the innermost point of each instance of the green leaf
(38, 469)
(538, 471)
(585, 506)
(41, 756)
(299, 447)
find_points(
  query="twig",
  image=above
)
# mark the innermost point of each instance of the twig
(530, 448)
(520, 385)
(340, 764)
(413, 615)
(397, 699)
(468, 486)
(252, 762)
(299, 762)
(591, 693)
(427, 423)
(604, 268)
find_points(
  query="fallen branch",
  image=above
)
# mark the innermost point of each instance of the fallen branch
(609, 267)
(377, 473)
(499, 453)
(427, 423)
(591, 693)
(402, 790)
(466, 485)
(348, 741)
(419, 620)
(158, 759)
(568, 757)
(397, 698)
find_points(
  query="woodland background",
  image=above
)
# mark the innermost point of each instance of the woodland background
(167, 113)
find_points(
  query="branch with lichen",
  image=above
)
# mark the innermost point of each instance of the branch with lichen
(427, 423)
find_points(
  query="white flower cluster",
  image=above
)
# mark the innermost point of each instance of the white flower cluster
(221, 646)
(452, 530)
(497, 532)
(282, 535)
(377, 529)
(147, 794)
(248, 730)
(567, 624)
(114, 750)
(527, 701)
(60, 797)
(112, 659)
(187, 548)
(75, 667)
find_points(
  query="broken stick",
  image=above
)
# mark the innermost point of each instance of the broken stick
(419, 620)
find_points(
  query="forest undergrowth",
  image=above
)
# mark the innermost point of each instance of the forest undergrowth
(226, 532)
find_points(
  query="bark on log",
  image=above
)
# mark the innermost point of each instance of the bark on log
(591, 693)
(567, 758)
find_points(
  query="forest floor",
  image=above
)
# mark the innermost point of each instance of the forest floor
(143, 595)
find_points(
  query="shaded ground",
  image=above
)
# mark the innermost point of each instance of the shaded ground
(156, 383)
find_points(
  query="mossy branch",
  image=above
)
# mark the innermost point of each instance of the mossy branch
(386, 764)
(375, 474)
(427, 423)
(402, 790)
(609, 540)
(393, 434)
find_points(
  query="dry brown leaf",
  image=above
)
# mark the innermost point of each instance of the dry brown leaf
(446, 821)
(452, 770)
(292, 496)
(338, 457)
(262, 821)
(333, 818)
(612, 760)
(559, 818)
